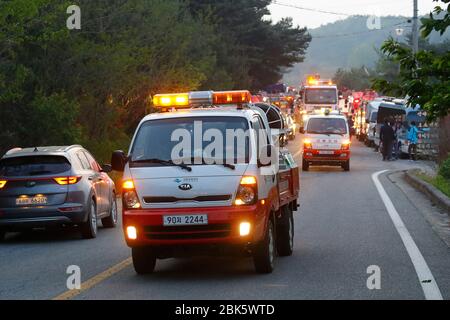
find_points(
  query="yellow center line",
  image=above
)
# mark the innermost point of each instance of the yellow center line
(92, 282)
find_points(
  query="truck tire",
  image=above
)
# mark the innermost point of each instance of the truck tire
(285, 233)
(111, 220)
(265, 251)
(89, 228)
(305, 165)
(144, 261)
(346, 166)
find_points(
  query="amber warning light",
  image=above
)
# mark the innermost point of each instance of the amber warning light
(185, 100)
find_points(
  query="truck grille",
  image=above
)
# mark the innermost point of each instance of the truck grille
(150, 200)
(188, 232)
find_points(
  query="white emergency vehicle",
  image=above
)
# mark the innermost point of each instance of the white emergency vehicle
(207, 178)
(326, 141)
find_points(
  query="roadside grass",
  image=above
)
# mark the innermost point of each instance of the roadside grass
(438, 181)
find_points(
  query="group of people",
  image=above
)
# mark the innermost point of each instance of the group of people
(389, 134)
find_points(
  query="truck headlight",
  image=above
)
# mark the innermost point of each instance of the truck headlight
(129, 196)
(247, 192)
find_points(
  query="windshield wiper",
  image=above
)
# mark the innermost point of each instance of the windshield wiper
(330, 133)
(164, 162)
(211, 162)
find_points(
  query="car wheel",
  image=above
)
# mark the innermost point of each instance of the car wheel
(111, 220)
(285, 233)
(144, 261)
(89, 228)
(265, 252)
(305, 165)
(346, 166)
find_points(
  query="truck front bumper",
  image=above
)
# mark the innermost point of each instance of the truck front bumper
(318, 157)
(223, 227)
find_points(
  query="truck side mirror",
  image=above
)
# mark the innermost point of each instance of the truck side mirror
(106, 168)
(302, 130)
(367, 121)
(118, 160)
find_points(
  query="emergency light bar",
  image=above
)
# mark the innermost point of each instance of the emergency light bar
(185, 100)
(171, 100)
(232, 97)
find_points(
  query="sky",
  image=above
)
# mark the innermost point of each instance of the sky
(313, 18)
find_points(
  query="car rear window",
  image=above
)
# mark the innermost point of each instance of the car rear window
(33, 166)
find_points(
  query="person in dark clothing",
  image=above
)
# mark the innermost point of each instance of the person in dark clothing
(351, 125)
(387, 136)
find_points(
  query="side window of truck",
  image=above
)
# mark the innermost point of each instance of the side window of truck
(256, 125)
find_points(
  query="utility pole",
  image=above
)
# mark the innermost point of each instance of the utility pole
(415, 31)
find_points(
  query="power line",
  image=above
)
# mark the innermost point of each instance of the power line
(311, 9)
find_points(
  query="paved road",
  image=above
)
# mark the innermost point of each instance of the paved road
(342, 228)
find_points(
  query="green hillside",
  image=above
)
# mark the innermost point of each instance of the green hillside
(347, 43)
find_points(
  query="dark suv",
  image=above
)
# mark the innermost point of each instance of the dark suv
(55, 186)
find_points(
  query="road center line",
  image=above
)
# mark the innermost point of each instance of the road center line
(70, 294)
(427, 281)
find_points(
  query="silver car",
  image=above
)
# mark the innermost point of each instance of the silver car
(55, 186)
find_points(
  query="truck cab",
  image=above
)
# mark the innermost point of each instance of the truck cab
(320, 98)
(207, 178)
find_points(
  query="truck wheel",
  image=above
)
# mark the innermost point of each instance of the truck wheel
(111, 220)
(89, 228)
(144, 261)
(346, 166)
(265, 251)
(305, 166)
(285, 233)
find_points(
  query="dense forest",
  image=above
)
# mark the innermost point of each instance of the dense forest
(93, 85)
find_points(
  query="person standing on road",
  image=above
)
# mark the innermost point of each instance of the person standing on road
(398, 131)
(387, 136)
(351, 125)
(413, 139)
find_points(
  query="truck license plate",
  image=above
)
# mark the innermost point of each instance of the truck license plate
(326, 152)
(188, 220)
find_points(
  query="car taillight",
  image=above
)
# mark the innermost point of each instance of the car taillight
(63, 181)
(129, 195)
(247, 193)
(3, 183)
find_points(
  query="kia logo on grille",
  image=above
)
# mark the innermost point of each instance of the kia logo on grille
(185, 187)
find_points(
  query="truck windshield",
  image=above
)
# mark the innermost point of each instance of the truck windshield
(321, 96)
(327, 126)
(191, 140)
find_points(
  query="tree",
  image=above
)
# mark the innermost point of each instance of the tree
(424, 77)
(251, 49)
(354, 79)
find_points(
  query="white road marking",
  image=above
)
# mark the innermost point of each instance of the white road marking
(427, 281)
